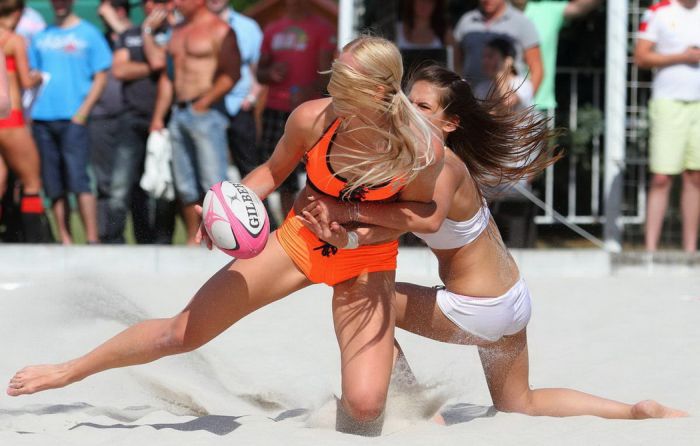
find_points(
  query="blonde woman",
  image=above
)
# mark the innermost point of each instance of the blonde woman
(366, 142)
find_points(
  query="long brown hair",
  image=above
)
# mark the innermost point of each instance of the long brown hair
(498, 146)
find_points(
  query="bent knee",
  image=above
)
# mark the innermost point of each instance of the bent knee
(517, 405)
(364, 406)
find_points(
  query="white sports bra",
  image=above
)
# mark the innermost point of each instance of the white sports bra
(455, 234)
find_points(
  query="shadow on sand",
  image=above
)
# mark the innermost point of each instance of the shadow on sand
(465, 412)
(215, 424)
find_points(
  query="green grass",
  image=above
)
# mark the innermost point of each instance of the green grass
(179, 236)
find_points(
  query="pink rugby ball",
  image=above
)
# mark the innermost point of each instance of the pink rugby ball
(235, 219)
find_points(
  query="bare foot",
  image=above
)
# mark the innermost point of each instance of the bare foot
(652, 409)
(439, 419)
(36, 378)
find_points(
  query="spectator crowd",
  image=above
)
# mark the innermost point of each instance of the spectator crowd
(142, 119)
(200, 87)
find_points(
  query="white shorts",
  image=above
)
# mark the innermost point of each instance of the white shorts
(489, 318)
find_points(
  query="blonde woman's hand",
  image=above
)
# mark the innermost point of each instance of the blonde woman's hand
(327, 209)
(332, 233)
(202, 233)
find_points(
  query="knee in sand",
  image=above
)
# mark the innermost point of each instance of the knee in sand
(366, 421)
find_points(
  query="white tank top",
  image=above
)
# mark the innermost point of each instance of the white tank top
(455, 234)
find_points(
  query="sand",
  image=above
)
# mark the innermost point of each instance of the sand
(273, 377)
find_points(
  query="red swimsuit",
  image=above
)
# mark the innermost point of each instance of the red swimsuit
(16, 118)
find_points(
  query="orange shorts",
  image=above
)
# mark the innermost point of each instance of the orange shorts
(324, 263)
(14, 119)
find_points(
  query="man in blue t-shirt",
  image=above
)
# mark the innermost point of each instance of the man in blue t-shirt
(74, 57)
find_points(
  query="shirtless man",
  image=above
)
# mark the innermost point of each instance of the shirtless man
(203, 65)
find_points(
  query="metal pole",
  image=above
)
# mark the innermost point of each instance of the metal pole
(549, 179)
(346, 22)
(615, 115)
(595, 159)
(573, 158)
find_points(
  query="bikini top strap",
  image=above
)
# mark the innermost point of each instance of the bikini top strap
(324, 140)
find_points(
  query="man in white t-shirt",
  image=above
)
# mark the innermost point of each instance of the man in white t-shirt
(30, 23)
(669, 42)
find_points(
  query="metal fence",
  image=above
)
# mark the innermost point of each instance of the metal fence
(573, 187)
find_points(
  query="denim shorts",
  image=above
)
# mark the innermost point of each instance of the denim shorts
(65, 154)
(200, 151)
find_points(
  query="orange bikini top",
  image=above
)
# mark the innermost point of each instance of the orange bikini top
(321, 177)
(10, 64)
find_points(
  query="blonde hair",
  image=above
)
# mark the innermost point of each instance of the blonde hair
(369, 90)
